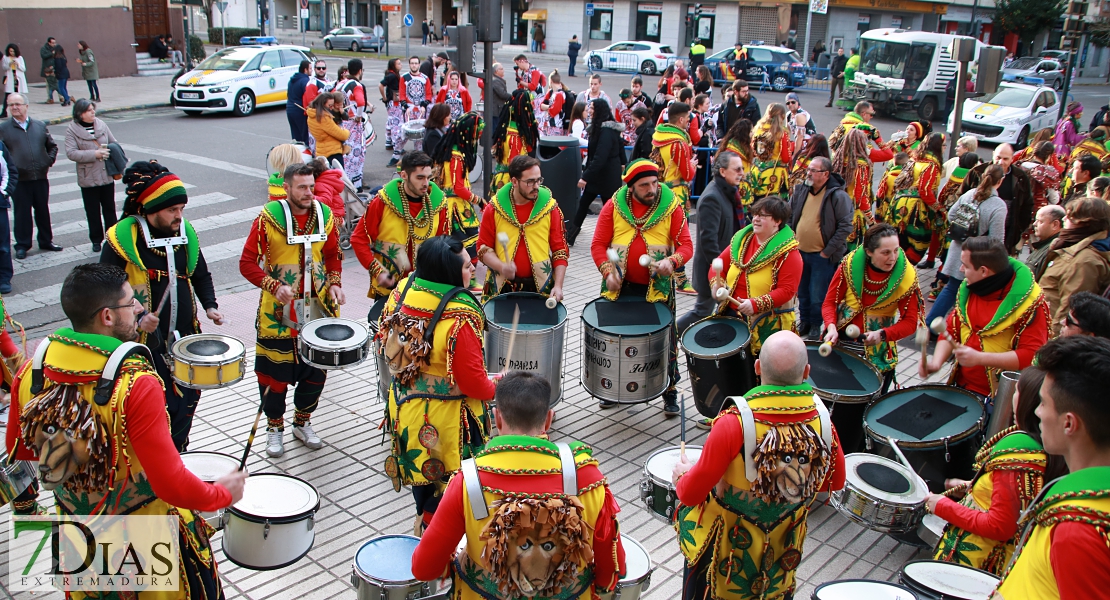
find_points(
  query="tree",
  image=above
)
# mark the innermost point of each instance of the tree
(1027, 18)
(1100, 33)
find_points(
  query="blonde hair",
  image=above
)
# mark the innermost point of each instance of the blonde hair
(282, 156)
(775, 118)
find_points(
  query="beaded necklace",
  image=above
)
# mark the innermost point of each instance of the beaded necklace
(418, 222)
(639, 222)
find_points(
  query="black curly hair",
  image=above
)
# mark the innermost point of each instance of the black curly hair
(463, 134)
(519, 110)
(136, 179)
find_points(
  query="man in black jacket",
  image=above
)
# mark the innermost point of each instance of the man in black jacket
(33, 151)
(742, 106)
(836, 70)
(1016, 190)
(717, 223)
(821, 217)
(298, 122)
(8, 183)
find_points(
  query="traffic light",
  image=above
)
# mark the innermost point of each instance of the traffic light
(697, 12)
(464, 38)
(489, 21)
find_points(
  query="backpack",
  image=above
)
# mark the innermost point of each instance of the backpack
(963, 221)
(568, 107)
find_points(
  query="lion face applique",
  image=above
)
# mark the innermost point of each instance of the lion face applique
(406, 351)
(70, 439)
(792, 461)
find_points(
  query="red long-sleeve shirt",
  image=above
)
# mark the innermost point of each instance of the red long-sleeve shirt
(487, 236)
(633, 272)
(403, 88)
(789, 272)
(148, 434)
(1000, 522)
(464, 95)
(1080, 561)
(980, 310)
(880, 154)
(367, 229)
(469, 365)
(357, 97)
(460, 184)
(248, 262)
(7, 345)
(725, 442)
(554, 101)
(927, 185)
(908, 307)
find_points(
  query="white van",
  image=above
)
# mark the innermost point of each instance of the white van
(904, 73)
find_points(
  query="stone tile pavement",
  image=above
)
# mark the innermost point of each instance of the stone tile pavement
(358, 501)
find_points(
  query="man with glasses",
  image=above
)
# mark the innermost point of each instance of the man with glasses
(860, 118)
(294, 111)
(526, 212)
(800, 121)
(33, 152)
(316, 84)
(1088, 314)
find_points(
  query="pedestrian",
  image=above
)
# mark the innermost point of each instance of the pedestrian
(595, 93)
(87, 138)
(697, 54)
(1079, 259)
(90, 71)
(537, 37)
(818, 48)
(435, 125)
(323, 123)
(499, 94)
(605, 160)
(742, 106)
(455, 96)
(836, 70)
(8, 179)
(61, 71)
(316, 84)
(1067, 130)
(446, 38)
(572, 51)
(177, 57)
(15, 71)
(46, 53)
(645, 130)
(353, 109)
(550, 113)
(432, 30)
(34, 152)
(298, 122)
(704, 84)
(389, 88)
(158, 48)
(424, 32)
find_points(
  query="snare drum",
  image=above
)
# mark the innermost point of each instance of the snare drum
(638, 570)
(931, 529)
(880, 494)
(384, 377)
(937, 427)
(846, 382)
(718, 360)
(414, 130)
(628, 343)
(861, 589)
(208, 467)
(207, 361)
(15, 478)
(539, 337)
(383, 570)
(333, 343)
(936, 580)
(273, 525)
(656, 489)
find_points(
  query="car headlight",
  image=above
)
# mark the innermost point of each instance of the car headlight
(1009, 121)
(217, 90)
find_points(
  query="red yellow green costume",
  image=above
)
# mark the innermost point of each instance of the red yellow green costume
(914, 209)
(760, 276)
(859, 189)
(885, 194)
(769, 175)
(535, 234)
(850, 121)
(655, 231)
(511, 147)
(453, 178)
(671, 151)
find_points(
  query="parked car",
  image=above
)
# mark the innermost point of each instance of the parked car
(239, 79)
(1011, 114)
(643, 57)
(783, 66)
(1048, 69)
(1060, 56)
(355, 38)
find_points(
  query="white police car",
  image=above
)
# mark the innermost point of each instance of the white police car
(1021, 107)
(240, 79)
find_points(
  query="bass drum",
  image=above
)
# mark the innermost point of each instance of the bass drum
(627, 343)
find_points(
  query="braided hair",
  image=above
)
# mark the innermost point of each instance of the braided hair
(846, 159)
(519, 110)
(136, 179)
(463, 134)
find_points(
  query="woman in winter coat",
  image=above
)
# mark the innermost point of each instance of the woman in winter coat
(323, 116)
(1079, 260)
(61, 71)
(87, 138)
(605, 160)
(90, 71)
(15, 71)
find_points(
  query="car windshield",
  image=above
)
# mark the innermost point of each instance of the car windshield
(1008, 96)
(1024, 63)
(882, 58)
(231, 59)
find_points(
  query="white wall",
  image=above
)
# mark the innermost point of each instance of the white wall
(727, 26)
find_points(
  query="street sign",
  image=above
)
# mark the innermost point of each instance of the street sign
(304, 3)
(390, 2)
(589, 10)
(221, 6)
(387, 8)
(409, 20)
(304, 13)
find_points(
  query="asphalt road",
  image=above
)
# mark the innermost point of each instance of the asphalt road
(222, 158)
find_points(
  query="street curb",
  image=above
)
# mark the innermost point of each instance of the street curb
(100, 111)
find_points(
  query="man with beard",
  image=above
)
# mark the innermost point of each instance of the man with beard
(742, 106)
(795, 454)
(415, 90)
(300, 280)
(119, 458)
(403, 214)
(153, 228)
(638, 94)
(526, 212)
(644, 218)
(1016, 190)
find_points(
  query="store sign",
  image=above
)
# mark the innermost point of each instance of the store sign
(650, 8)
(819, 7)
(864, 19)
(603, 6)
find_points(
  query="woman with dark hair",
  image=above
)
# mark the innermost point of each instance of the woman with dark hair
(704, 84)
(1011, 468)
(773, 149)
(913, 210)
(455, 95)
(517, 133)
(90, 71)
(815, 146)
(15, 71)
(324, 117)
(435, 125)
(605, 160)
(874, 288)
(87, 138)
(389, 88)
(852, 162)
(738, 139)
(61, 71)
(431, 328)
(454, 158)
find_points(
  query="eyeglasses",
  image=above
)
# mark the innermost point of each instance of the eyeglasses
(134, 302)
(812, 170)
(1070, 322)
(532, 182)
(11, 104)
(321, 68)
(867, 114)
(790, 102)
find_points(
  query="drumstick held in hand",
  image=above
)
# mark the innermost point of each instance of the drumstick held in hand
(718, 266)
(615, 259)
(551, 302)
(162, 303)
(512, 339)
(852, 331)
(682, 422)
(254, 429)
(938, 327)
(646, 262)
(722, 295)
(503, 240)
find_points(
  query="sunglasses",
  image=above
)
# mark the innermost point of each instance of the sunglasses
(790, 102)
(1070, 322)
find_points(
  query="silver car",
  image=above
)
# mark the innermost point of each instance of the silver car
(354, 38)
(1051, 71)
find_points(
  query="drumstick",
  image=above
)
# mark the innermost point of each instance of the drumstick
(503, 240)
(902, 458)
(615, 260)
(939, 327)
(551, 302)
(722, 295)
(718, 266)
(646, 262)
(162, 303)
(254, 429)
(852, 331)
(512, 339)
(682, 423)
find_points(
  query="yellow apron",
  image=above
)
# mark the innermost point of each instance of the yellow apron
(760, 277)
(656, 233)
(400, 234)
(884, 311)
(536, 233)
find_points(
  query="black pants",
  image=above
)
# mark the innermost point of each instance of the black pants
(338, 157)
(32, 196)
(94, 90)
(298, 124)
(6, 268)
(181, 402)
(590, 192)
(834, 89)
(310, 383)
(100, 201)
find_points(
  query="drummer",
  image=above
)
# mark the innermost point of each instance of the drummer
(762, 270)
(875, 289)
(733, 513)
(644, 218)
(516, 134)
(1010, 470)
(431, 335)
(156, 198)
(131, 465)
(526, 212)
(520, 473)
(1000, 321)
(1063, 554)
(455, 157)
(404, 213)
(271, 262)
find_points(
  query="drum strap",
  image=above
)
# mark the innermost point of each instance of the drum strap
(826, 422)
(747, 423)
(170, 245)
(308, 288)
(478, 505)
(111, 369)
(570, 471)
(37, 381)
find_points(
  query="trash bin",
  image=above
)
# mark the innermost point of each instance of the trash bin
(561, 168)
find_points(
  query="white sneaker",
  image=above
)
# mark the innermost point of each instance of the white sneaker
(275, 447)
(308, 436)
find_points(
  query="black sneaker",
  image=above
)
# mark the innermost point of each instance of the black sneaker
(670, 403)
(803, 329)
(606, 404)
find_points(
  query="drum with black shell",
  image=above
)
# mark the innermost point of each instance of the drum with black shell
(719, 361)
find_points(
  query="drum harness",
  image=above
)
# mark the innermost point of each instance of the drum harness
(478, 506)
(170, 245)
(107, 376)
(747, 423)
(303, 308)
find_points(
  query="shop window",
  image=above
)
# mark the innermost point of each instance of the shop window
(701, 26)
(601, 25)
(648, 26)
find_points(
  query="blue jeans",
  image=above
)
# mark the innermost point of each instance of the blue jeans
(573, 60)
(946, 299)
(63, 90)
(817, 274)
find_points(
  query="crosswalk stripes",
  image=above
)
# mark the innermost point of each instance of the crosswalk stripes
(194, 202)
(136, 152)
(79, 204)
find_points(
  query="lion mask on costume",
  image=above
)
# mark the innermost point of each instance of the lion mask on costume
(792, 461)
(70, 439)
(536, 547)
(406, 351)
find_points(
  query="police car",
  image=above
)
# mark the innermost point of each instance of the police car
(1021, 107)
(240, 79)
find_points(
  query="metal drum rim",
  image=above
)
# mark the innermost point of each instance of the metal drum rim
(234, 460)
(932, 444)
(308, 334)
(875, 458)
(849, 398)
(651, 564)
(747, 343)
(236, 352)
(853, 517)
(212, 386)
(491, 323)
(363, 575)
(582, 317)
(902, 574)
(284, 520)
(913, 595)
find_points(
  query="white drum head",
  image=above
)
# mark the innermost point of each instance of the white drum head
(209, 466)
(475, 174)
(387, 559)
(335, 334)
(952, 580)
(208, 348)
(273, 496)
(860, 589)
(636, 558)
(884, 479)
(660, 464)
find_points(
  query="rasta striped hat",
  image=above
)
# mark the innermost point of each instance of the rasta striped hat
(151, 188)
(638, 169)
